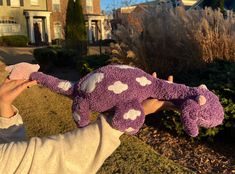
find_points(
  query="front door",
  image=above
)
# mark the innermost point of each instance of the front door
(39, 33)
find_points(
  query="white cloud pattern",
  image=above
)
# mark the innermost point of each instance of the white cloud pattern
(90, 84)
(132, 114)
(130, 129)
(123, 66)
(143, 81)
(76, 117)
(65, 85)
(118, 87)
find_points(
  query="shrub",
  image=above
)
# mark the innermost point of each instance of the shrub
(174, 40)
(55, 56)
(219, 77)
(45, 58)
(14, 41)
(88, 64)
(75, 29)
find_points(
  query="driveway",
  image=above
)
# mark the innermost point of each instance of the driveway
(13, 55)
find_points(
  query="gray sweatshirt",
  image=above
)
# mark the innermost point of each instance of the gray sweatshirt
(81, 151)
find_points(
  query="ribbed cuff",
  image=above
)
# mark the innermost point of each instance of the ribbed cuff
(14, 120)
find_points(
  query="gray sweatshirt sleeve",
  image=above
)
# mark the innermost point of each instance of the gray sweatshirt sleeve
(81, 151)
(12, 129)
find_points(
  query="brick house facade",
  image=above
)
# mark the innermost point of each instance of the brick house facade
(44, 20)
(92, 14)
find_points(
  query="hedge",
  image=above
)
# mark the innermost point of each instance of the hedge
(55, 56)
(14, 41)
(219, 77)
(88, 64)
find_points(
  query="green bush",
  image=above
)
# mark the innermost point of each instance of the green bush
(88, 64)
(45, 58)
(14, 41)
(219, 77)
(55, 56)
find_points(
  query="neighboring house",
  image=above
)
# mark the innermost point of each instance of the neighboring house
(95, 20)
(133, 14)
(189, 3)
(25, 17)
(228, 5)
(44, 20)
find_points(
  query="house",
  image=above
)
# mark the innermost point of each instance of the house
(25, 17)
(43, 20)
(134, 12)
(228, 5)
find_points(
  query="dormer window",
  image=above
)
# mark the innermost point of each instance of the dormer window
(56, 5)
(34, 2)
(15, 3)
(89, 6)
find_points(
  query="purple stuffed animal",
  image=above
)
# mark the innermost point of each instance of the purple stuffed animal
(123, 88)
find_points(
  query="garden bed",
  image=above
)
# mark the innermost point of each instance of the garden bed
(200, 156)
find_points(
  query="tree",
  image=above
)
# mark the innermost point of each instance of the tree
(75, 30)
(214, 4)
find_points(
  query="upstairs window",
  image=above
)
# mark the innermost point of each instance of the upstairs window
(57, 30)
(56, 5)
(89, 6)
(15, 3)
(34, 2)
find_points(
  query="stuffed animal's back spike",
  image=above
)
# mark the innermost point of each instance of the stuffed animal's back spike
(57, 85)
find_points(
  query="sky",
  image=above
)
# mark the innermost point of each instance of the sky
(106, 3)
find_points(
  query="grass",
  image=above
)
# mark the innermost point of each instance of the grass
(46, 113)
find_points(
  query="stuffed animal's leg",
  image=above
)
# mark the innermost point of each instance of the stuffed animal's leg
(59, 86)
(81, 112)
(129, 117)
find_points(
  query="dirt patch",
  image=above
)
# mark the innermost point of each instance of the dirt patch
(200, 157)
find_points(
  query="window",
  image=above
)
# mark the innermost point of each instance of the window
(56, 5)
(15, 3)
(89, 6)
(34, 2)
(57, 30)
(1, 2)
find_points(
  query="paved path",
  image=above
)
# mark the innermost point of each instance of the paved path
(13, 55)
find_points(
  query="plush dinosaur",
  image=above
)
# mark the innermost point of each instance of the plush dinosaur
(123, 88)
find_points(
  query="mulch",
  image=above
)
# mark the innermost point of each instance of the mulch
(204, 157)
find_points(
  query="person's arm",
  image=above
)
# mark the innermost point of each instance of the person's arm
(12, 128)
(11, 124)
(81, 151)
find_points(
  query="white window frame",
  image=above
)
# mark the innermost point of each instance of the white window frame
(15, 3)
(89, 6)
(34, 2)
(56, 6)
(58, 30)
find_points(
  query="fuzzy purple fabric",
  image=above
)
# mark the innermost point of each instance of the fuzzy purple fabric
(123, 88)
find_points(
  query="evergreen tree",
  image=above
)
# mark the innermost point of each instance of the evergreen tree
(214, 4)
(75, 30)
(80, 21)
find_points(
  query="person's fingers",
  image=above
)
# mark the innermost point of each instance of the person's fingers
(154, 75)
(19, 89)
(170, 79)
(7, 80)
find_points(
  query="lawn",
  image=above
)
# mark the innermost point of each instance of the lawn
(46, 113)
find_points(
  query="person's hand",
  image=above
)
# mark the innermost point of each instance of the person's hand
(151, 106)
(9, 90)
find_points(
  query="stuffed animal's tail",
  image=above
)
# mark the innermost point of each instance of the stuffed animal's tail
(59, 86)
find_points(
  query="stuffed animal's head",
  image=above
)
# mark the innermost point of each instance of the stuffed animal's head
(203, 110)
(21, 70)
